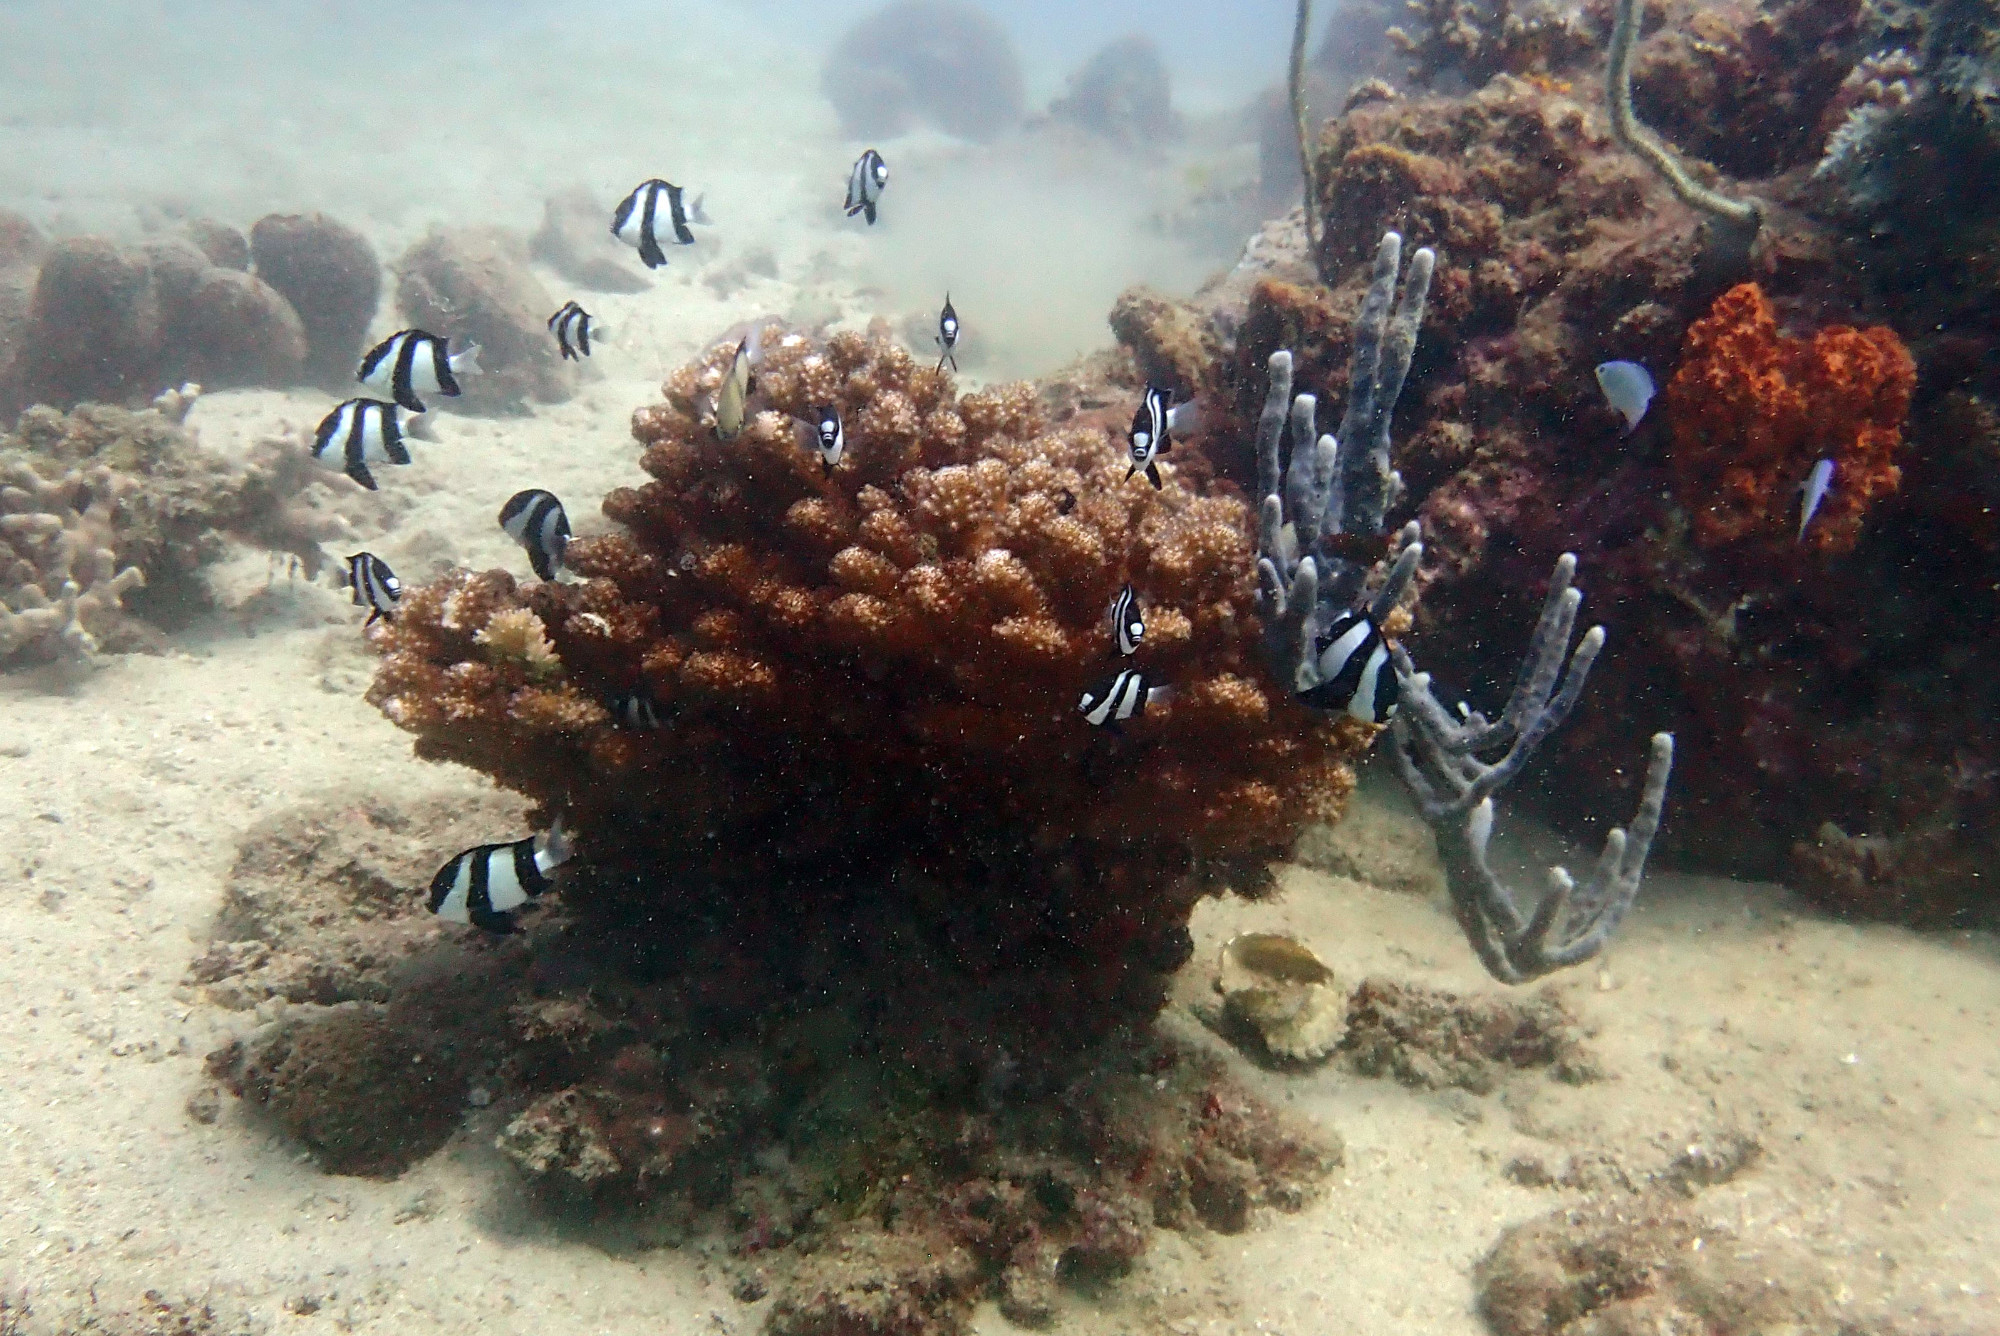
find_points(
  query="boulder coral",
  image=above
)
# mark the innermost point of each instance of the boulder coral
(1751, 410)
(869, 677)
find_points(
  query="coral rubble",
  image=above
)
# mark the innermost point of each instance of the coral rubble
(937, 63)
(107, 512)
(473, 285)
(1752, 410)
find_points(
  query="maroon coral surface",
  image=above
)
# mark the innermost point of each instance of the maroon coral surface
(869, 682)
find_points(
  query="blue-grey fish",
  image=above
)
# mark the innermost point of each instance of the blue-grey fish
(485, 884)
(536, 520)
(1128, 623)
(411, 363)
(375, 586)
(654, 209)
(865, 183)
(1123, 696)
(1628, 387)
(358, 433)
(1354, 671)
(1815, 487)
(574, 328)
(947, 335)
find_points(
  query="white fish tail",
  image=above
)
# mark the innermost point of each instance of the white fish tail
(419, 426)
(697, 214)
(465, 362)
(1161, 695)
(1184, 419)
(553, 850)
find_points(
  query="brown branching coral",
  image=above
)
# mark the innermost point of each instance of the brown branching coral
(869, 678)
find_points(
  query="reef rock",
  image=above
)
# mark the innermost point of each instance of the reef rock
(473, 285)
(1124, 94)
(365, 1096)
(94, 327)
(936, 63)
(330, 275)
(575, 241)
(1275, 988)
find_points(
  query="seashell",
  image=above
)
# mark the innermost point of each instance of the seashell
(1275, 986)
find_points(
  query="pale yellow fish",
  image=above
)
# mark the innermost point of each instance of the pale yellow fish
(733, 399)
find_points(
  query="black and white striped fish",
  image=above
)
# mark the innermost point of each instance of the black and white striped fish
(573, 326)
(864, 184)
(358, 433)
(484, 885)
(375, 586)
(1354, 671)
(636, 710)
(832, 436)
(652, 211)
(947, 335)
(411, 363)
(1153, 428)
(536, 520)
(1123, 696)
(1128, 623)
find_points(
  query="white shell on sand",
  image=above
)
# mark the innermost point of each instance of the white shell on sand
(1276, 986)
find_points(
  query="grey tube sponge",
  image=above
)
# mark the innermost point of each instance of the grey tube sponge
(1438, 757)
(1307, 581)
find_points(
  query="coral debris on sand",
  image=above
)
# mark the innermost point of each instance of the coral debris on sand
(758, 1092)
(1752, 411)
(106, 512)
(868, 682)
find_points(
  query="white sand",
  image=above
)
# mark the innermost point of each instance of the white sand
(1862, 1059)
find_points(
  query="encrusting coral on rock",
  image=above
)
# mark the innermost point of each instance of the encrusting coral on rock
(1753, 410)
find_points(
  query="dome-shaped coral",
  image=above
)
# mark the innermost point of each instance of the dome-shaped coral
(870, 677)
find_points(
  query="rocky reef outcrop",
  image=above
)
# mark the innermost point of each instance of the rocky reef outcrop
(90, 320)
(940, 64)
(473, 285)
(1806, 680)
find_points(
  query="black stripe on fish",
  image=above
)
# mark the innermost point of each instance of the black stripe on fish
(947, 335)
(571, 326)
(1151, 435)
(375, 586)
(678, 212)
(356, 425)
(536, 520)
(832, 436)
(1356, 676)
(865, 183)
(1128, 623)
(408, 365)
(1122, 696)
(640, 211)
(484, 885)
(636, 710)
